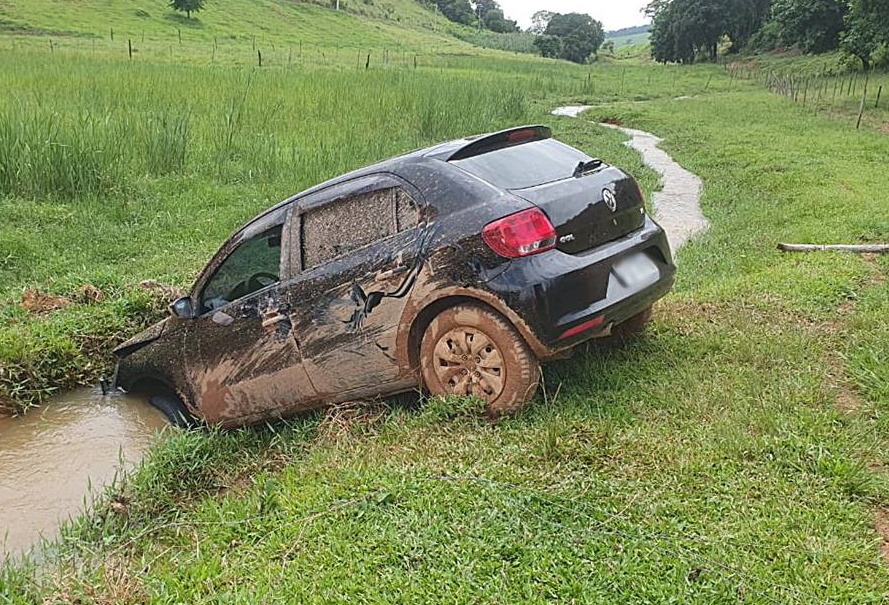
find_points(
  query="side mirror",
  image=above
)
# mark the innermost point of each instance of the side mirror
(182, 308)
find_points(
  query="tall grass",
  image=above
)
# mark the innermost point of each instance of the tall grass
(68, 142)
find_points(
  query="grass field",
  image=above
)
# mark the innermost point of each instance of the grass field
(823, 83)
(735, 453)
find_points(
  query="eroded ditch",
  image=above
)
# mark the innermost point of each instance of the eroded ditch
(51, 456)
(677, 205)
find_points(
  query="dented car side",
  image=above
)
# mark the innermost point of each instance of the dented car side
(328, 296)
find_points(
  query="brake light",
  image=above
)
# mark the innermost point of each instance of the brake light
(522, 234)
(521, 135)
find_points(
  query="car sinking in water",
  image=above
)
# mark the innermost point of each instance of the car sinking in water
(457, 269)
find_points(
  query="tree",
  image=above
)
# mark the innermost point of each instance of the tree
(867, 27)
(683, 29)
(813, 26)
(580, 35)
(497, 22)
(490, 16)
(746, 18)
(459, 11)
(187, 6)
(539, 21)
(549, 46)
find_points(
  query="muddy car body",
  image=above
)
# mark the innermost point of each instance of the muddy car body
(458, 268)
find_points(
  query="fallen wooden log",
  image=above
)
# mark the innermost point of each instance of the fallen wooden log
(857, 248)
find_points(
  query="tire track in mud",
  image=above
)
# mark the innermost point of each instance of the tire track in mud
(677, 205)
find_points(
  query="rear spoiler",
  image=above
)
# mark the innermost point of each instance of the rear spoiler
(499, 140)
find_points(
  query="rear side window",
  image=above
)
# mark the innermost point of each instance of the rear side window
(523, 166)
(353, 222)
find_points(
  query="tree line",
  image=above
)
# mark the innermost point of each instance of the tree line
(485, 14)
(685, 31)
(572, 36)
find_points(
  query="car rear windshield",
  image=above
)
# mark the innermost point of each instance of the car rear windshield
(526, 165)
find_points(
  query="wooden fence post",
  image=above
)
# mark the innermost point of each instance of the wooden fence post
(879, 92)
(130, 48)
(863, 101)
(259, 57)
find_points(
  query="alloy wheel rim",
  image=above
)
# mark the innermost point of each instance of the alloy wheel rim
(467, 362)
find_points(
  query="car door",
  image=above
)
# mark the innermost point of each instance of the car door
(243, 361)
(361, 248)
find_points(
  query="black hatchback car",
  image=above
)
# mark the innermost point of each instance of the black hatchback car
(458, 268)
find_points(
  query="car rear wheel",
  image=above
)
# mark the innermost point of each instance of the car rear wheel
(472, 350)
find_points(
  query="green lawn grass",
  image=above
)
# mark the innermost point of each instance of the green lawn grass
(735, 453)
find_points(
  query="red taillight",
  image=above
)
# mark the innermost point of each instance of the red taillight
(521, 234)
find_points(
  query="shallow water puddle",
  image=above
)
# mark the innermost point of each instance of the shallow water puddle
(677, 204)
(50, 457)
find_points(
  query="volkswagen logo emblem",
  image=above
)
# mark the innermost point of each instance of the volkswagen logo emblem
(609, 198)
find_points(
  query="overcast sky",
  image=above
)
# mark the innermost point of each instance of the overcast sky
(614, 14)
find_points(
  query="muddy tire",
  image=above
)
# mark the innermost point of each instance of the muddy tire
(173, 409)
(631, 328)
(472, 350)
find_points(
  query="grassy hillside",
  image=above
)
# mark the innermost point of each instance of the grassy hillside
(230, 31)
(629, 39)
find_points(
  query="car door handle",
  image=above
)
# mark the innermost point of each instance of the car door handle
(390, 273)
(222, 318)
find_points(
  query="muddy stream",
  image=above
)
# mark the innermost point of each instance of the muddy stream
(52, 457)
(677, 205)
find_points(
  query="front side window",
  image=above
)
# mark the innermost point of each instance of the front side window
(253, 265)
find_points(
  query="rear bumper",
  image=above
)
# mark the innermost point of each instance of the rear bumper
(555, 292)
